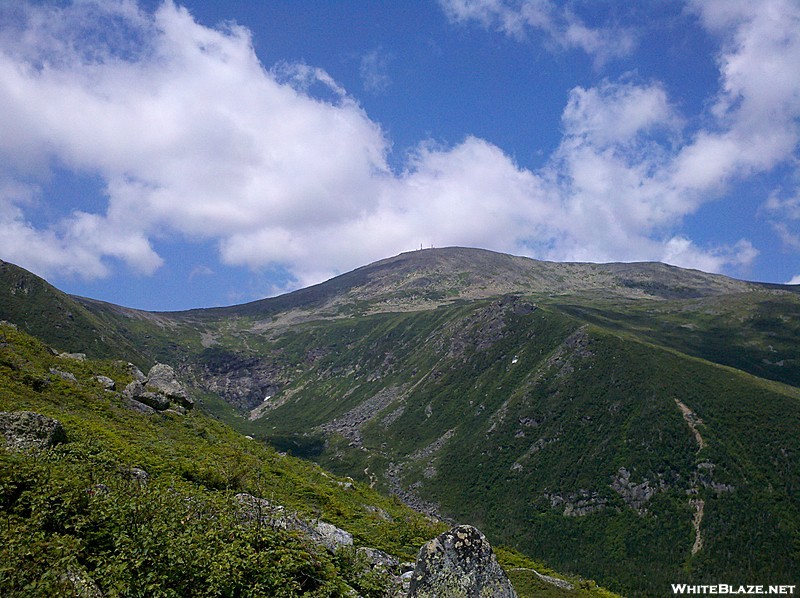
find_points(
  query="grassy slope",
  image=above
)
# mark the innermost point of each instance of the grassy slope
(756, 332)
(42, 310)
(75, 508)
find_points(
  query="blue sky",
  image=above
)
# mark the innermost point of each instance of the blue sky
(170, 155)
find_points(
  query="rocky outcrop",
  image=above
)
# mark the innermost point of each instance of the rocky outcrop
(160, 390)
(350, 423)
(577, 504)
(398, 575)
(394, 475)
(459, 563)
(320, 532)
(66, 376)
(636, 496)
(245, 382)
(106, 382)
(25, 430)
(161, 379)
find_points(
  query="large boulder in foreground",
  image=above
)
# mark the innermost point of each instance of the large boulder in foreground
(24, 430)
(459, 563)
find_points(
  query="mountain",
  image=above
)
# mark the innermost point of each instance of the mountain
(633, 423)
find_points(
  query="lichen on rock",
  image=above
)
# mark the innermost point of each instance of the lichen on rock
(25, 430)
(459, 563)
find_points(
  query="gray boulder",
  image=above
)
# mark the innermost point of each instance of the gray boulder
(132, 397)
(377, 558)
(24, 430)
(153, 399)
(161, 379)
(136, 373)
(133, 390)
(331, 537)
(459, 563)
(106, 382)
(68, 376)
(138, 406)
(137, 392)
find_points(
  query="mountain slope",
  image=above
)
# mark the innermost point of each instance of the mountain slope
(636, 423)
(137, 504)
(540, 428)
(43, 311)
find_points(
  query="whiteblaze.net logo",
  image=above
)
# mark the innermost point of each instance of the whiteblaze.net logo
(723, 588)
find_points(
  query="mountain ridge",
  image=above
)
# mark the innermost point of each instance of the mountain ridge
(444, 273)
(622, 279)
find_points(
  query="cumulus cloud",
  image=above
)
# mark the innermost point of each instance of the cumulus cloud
(758, 106)
(190, 134)
(616, 113)
(193, 137)
(560, 27)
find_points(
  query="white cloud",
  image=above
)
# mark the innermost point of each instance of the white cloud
(683, 252)
(616, 113)
(794, 280)
(784, 215)
(467, 195)
(561, 28)
(758, 106)
(193, 137)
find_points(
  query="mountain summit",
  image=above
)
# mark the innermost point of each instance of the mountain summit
(417, 279)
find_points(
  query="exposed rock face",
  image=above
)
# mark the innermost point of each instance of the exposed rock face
(244, 382)
(25, 430)
(459, 563)
(349, 424)
(577, 504)
(635, 496)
